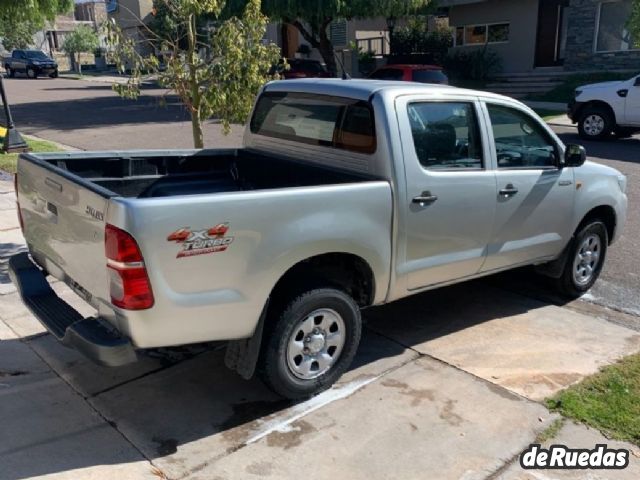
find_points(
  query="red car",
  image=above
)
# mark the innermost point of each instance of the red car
(411, 73)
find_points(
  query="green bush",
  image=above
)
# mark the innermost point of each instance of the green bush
(416, 39)
(473, 64)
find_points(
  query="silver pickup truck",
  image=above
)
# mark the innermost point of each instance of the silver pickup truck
(346, 194)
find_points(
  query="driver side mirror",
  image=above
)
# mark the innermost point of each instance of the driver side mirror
(574, 155)
(637, 82)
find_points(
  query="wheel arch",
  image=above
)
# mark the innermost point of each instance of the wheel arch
(605, 213)
(597, 104)
(346, 271)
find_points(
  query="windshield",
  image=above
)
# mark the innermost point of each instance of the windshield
(35, 55)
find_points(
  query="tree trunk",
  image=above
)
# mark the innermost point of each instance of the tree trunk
(320, 43)
(196, 127)
(196, 95)
(78, 64)
(325, 47)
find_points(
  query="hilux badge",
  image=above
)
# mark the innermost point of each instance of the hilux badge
(200, 242)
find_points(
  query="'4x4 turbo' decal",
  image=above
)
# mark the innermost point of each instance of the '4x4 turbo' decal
(199, 242)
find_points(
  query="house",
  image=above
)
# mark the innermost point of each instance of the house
(570, 35)
(131, 16)
(90, 13)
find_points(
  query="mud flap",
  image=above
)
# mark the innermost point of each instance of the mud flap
(554, 268)
(241, 355)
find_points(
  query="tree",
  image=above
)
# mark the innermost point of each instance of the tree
(18, 36)
(633, 25)
(222, 82)
(20, 20)
(82, 40)
(312, 18)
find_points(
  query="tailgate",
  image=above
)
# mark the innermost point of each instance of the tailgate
(64, 223)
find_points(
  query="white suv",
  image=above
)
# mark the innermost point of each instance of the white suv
(602, 108)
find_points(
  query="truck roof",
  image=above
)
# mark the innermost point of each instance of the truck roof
(362, 89)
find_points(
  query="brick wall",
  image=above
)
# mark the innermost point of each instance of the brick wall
(580, 54)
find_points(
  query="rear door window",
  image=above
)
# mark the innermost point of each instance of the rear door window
(446, 135)
(323, 120)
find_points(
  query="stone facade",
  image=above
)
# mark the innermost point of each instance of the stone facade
(581, 37)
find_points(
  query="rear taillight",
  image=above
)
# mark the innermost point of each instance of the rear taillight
(128, 280)
(15, 188)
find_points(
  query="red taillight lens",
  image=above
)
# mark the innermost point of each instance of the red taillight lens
(120, 246)
(15, 188)
(128, 280)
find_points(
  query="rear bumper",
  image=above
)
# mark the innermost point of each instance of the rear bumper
(89, 336)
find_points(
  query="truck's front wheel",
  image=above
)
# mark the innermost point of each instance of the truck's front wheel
(311, 343)
(595, 123)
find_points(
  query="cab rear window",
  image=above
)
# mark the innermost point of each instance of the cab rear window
(324, 120)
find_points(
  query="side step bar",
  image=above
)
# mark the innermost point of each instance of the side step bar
(87, 335)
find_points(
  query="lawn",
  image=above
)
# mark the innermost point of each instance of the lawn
(608, 400)
(8, 160)
(564, 92)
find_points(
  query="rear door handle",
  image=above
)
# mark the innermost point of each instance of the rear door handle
(508, 191)
(424, 198)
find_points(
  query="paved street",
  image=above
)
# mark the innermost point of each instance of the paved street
(440, 388)
(90, 116)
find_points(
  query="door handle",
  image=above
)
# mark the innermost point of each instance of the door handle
(424, 197)
(508, 191)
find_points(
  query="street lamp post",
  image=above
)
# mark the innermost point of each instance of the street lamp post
(13, 141)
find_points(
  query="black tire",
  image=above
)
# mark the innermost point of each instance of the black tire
(32, 74)
(274, 366)
(592, 116)
(10, 72)
(54, 74)
(568, 285)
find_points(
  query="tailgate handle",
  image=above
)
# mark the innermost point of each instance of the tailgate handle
(53, 184)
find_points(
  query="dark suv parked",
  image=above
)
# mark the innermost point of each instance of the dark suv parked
(30, 62)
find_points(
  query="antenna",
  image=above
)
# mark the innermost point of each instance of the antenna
(345, 75)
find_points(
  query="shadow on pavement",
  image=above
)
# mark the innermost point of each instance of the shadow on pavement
(95, 112)
(622, 149)
(182, 413)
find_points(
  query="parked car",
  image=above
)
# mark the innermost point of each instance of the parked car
(601, 109)
(346, 194)
(411, 73)
(303, 68)
(30, 62)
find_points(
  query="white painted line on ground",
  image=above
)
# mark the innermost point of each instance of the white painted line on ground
(283, 423)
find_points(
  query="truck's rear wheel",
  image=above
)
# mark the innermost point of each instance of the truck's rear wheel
(311, 343)
(585, 259)
(31, 73)
(10, 72)
(595, 123)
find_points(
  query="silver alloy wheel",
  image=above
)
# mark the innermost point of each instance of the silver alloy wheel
(316, 343)
(593, 124)
(587, 259)
(31, 73)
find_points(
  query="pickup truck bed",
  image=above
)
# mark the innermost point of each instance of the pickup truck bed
(162, 174)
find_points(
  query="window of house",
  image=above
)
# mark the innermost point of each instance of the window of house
(445, 135)
(612, 34)
(321, 120)
(481, 34)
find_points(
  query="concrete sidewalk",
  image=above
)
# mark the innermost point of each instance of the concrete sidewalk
(440, 388)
